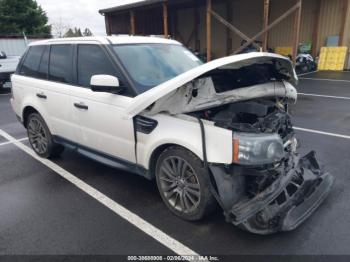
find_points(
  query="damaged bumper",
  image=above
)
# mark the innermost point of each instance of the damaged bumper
(281, 206)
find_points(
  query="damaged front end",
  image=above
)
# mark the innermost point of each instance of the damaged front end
(278, 199)
(269, 187)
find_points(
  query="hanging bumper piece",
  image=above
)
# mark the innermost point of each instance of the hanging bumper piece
(283, 205)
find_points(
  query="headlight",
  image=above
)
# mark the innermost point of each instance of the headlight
(257, 149)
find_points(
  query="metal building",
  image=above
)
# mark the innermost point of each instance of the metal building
(217, 27)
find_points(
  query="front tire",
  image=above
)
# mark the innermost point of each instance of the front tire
(183, 184)
(40, 137)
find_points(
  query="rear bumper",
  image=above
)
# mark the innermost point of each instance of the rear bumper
(287, 202)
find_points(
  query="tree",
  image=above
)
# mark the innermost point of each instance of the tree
(17, 16)
(59, 28)
(69, 33)
(87, 32)
(76, 32)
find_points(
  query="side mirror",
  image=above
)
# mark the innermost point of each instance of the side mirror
(105, 83)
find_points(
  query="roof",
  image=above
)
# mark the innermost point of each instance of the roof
(129, 6)
(122, 39)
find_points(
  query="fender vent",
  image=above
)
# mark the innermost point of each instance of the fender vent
(144, 125)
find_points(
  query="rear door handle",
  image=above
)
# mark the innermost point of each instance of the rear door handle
(81, 106)
(41, 95)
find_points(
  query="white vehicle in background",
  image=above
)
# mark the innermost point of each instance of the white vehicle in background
(214, 133)
(8, 65)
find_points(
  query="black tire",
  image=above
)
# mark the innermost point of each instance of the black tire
(40, 137)
(191, 206)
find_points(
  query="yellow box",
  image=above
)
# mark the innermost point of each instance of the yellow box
(332, 58)
(284, 50)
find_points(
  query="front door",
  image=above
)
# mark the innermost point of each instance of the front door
(104, 126)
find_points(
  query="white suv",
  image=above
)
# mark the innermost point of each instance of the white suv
(210, 134)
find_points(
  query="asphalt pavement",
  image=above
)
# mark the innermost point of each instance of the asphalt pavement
(43, 213)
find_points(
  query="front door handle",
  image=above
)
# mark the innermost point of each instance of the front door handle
(81, 106)
(41, 95)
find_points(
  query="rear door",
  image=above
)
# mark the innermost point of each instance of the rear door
(56, 66)
(104, 126)
(46, 73)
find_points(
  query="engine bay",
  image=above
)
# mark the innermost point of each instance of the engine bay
(253, 116)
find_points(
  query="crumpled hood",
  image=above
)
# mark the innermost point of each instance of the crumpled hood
(173, 95)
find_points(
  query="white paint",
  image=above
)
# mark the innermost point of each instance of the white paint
(119, 39)
(321, 132)
(325, 96)
(9, 142)
(113, 133)
(132, 218)
(9, 64)
(147, 98)
(325, 79)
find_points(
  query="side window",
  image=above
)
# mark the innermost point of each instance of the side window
(44, 64)
(92, 61)
(60, 65)
(31, 62)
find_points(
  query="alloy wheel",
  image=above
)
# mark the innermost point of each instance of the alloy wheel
(37, 136)
(179, 184)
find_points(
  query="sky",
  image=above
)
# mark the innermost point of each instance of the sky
(79, 13)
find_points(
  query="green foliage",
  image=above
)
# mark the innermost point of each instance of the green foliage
(76, 32)
(17, 16)
(87, 32)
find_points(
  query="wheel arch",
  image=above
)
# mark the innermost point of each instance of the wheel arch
(26, 112)
(158, 151)
(28, 109)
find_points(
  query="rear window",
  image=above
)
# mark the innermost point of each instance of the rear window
(44, 64)
(60, 65)
(31, 62)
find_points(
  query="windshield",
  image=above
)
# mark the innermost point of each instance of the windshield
(152, 64)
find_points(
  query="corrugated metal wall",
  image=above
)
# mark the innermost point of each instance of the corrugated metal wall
(247, 15)
(330, 22)
(282, 34)
(14, 47)
(347, 30)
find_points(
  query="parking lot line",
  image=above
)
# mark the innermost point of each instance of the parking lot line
(129, 216)
(308, 73)
(321, 132)
(9, 142)
(324, 79)
(325, 96)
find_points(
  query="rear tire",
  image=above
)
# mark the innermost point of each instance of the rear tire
(183, 184)
(40, 137)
